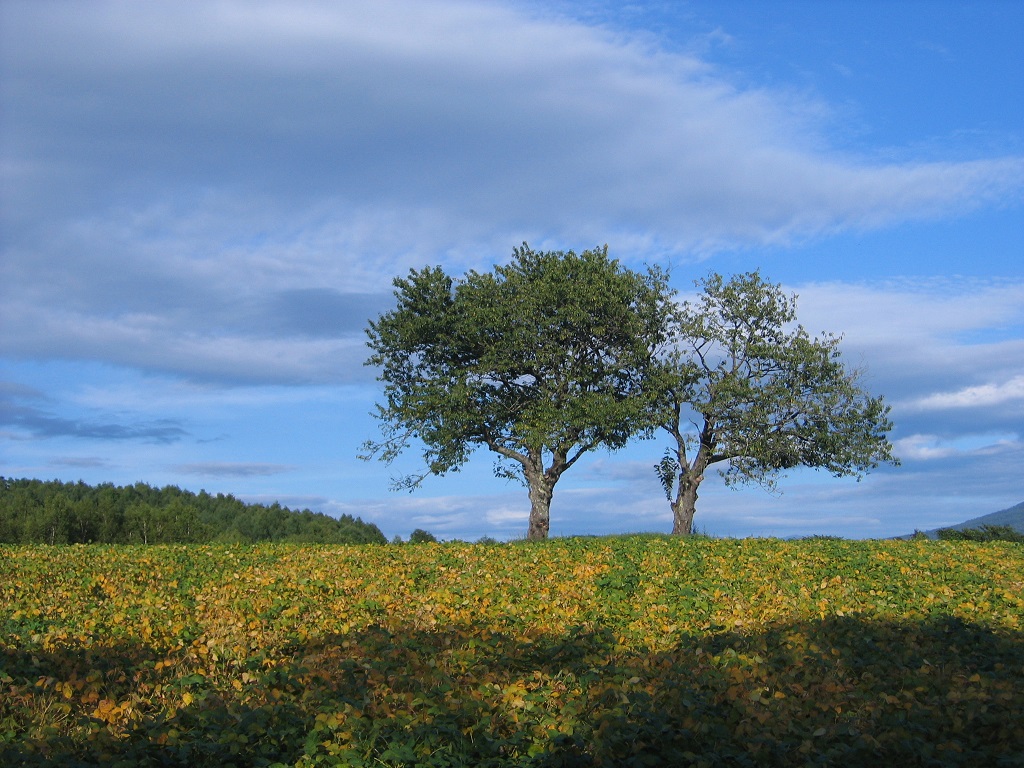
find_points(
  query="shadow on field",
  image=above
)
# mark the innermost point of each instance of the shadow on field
(842, 690)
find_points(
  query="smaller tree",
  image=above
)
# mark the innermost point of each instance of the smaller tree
(420, 536)
(743, 385)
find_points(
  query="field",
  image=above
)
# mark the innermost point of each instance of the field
(577, 652)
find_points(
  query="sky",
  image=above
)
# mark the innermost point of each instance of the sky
(203, 205)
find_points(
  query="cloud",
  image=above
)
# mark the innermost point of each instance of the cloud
(318, 312)
(232, 469)
(159, 344)
(224, 191)
(12, 390)
(916, 308)
(914, 337)
(20, 411)
(41, 425)
(922, 448)
(931, 447)
(32, 422)
(160, 431)
(982, 395)
(80, 462)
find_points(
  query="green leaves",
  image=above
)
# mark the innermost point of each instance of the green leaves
(666, 469)
(52, 512)
(554, 354)
(589, 651)
(541, 360)
(762, 394)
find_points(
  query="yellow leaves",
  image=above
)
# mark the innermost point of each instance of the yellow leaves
(504, 639)
(514, 694)
(108, 711)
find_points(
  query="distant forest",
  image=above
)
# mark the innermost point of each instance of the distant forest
(52, 512)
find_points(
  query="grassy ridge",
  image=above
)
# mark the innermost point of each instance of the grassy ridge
(631, 651)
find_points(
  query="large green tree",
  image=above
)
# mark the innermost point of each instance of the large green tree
(746, 386)
(540, 361)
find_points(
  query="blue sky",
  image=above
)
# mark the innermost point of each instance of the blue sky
(203, 204)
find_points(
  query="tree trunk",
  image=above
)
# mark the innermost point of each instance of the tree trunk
(685, 504)
(540, 505)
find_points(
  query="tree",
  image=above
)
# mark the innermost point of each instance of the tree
(743, 385)
(51, 523)
(420, 536)
(540, 361)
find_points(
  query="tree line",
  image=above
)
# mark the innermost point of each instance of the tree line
(54, 512)
(985, 533)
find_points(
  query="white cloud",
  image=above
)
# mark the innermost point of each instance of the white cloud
(229, 151)
(505, 516)
(160, 344)
(920, 308)
(475, 110)
(913, 336)
(982, 395)
(920, 447)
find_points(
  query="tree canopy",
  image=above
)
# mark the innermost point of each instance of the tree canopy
(742, 384)
(540, 361)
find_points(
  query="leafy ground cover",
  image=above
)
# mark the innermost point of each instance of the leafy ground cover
(579, 652)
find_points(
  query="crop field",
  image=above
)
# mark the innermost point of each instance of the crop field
(575, 652)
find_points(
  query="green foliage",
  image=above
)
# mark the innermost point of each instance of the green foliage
(419, 536)
(667, 470)
(633, 650)
(984, 533)
(38, 512)
(539, 361)
(763, 395)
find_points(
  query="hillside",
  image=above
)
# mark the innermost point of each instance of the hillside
(52, 512)
(1012, 517)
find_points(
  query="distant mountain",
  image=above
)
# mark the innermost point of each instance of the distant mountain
(1013, 517)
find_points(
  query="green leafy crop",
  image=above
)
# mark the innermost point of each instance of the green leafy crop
(585, 652)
